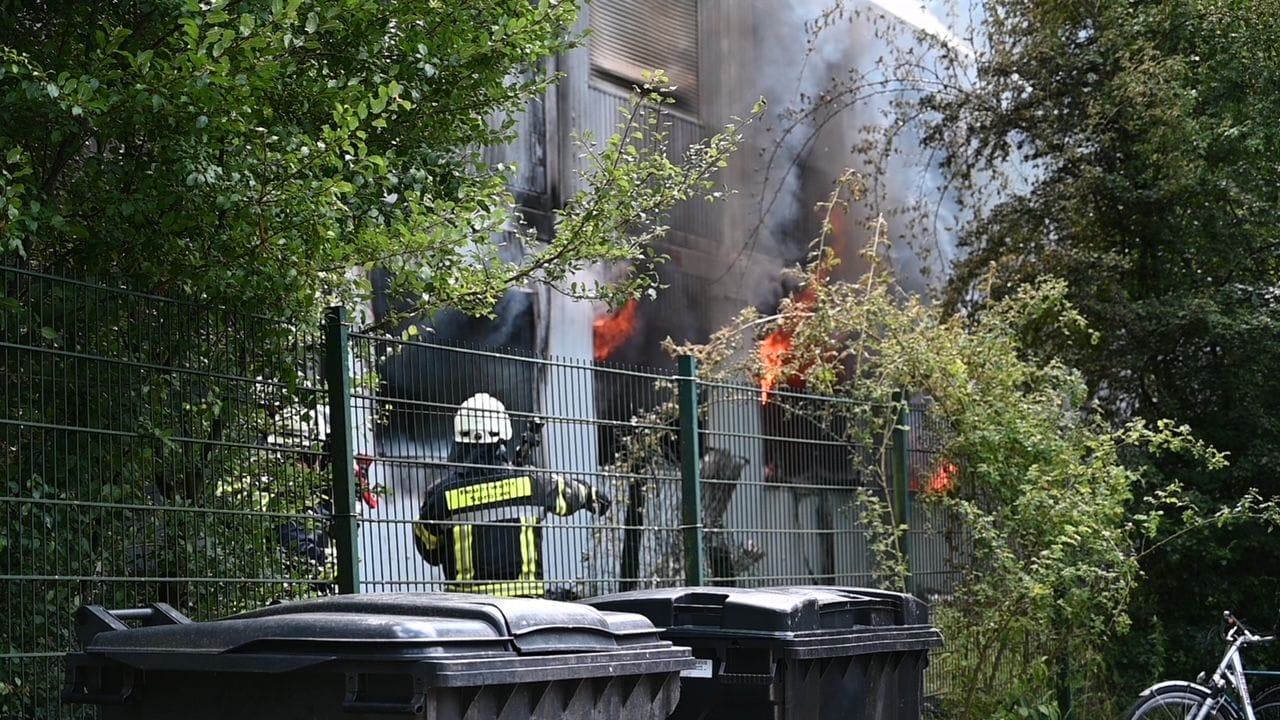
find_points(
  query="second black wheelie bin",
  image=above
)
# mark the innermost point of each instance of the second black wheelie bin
(792, 653)
(359, 657)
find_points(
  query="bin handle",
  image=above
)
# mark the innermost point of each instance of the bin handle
(77, 684)
(745, 678)
(119, 697)
(352, 702)
(410, 707)
(94, 619)
(698, 608)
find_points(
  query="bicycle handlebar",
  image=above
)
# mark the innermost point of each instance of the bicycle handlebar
(1234, 623)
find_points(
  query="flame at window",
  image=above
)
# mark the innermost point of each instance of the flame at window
(611, 331)
(775, 352)
(775, 349)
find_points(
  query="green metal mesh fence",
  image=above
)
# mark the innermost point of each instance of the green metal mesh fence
(777, 484)
(158, 450)
(154, 451)
(575, 429)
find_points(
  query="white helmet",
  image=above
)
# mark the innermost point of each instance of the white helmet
(482, 418)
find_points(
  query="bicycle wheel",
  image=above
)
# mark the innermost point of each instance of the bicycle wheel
(1269, 708)
(1267, 696)
(1176, 703)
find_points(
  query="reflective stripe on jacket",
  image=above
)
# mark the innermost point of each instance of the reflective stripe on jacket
(483, 526)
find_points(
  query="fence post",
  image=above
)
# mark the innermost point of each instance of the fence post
(690, 458)
(901, 480)
(337, 372)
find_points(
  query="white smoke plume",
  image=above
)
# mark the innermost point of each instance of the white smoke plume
(828, 70)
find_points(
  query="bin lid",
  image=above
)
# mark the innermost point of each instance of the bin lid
(811, 620)
(368, 628)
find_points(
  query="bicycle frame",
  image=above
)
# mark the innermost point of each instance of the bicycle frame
(1215, 692)
(1231, 671)
(1263, 674)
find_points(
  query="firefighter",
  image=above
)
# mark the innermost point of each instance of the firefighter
(307, 540)
(482, 524)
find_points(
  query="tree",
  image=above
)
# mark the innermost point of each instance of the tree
(226, 161)
(254, 153)
(1151, 194)
(1045, 489)
(1118, 146)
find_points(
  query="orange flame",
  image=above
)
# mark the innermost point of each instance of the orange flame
(775, 352)
(773, 355)
(611, 331)
(775, 349)
(943, 480)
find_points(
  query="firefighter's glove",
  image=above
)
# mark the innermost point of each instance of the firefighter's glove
(599, 502)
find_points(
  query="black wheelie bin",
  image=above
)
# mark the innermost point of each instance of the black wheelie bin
(415, 655)
(792, 653)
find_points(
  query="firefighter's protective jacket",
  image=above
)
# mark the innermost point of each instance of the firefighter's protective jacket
(483, 525)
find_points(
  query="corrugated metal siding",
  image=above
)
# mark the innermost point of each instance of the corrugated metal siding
(600, 112)
(632, 36)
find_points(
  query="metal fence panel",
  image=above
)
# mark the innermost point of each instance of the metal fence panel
(153, 451)
(789, 514)
(577, 422)
(158, 450)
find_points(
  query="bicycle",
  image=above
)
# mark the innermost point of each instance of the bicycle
(1224, 695)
